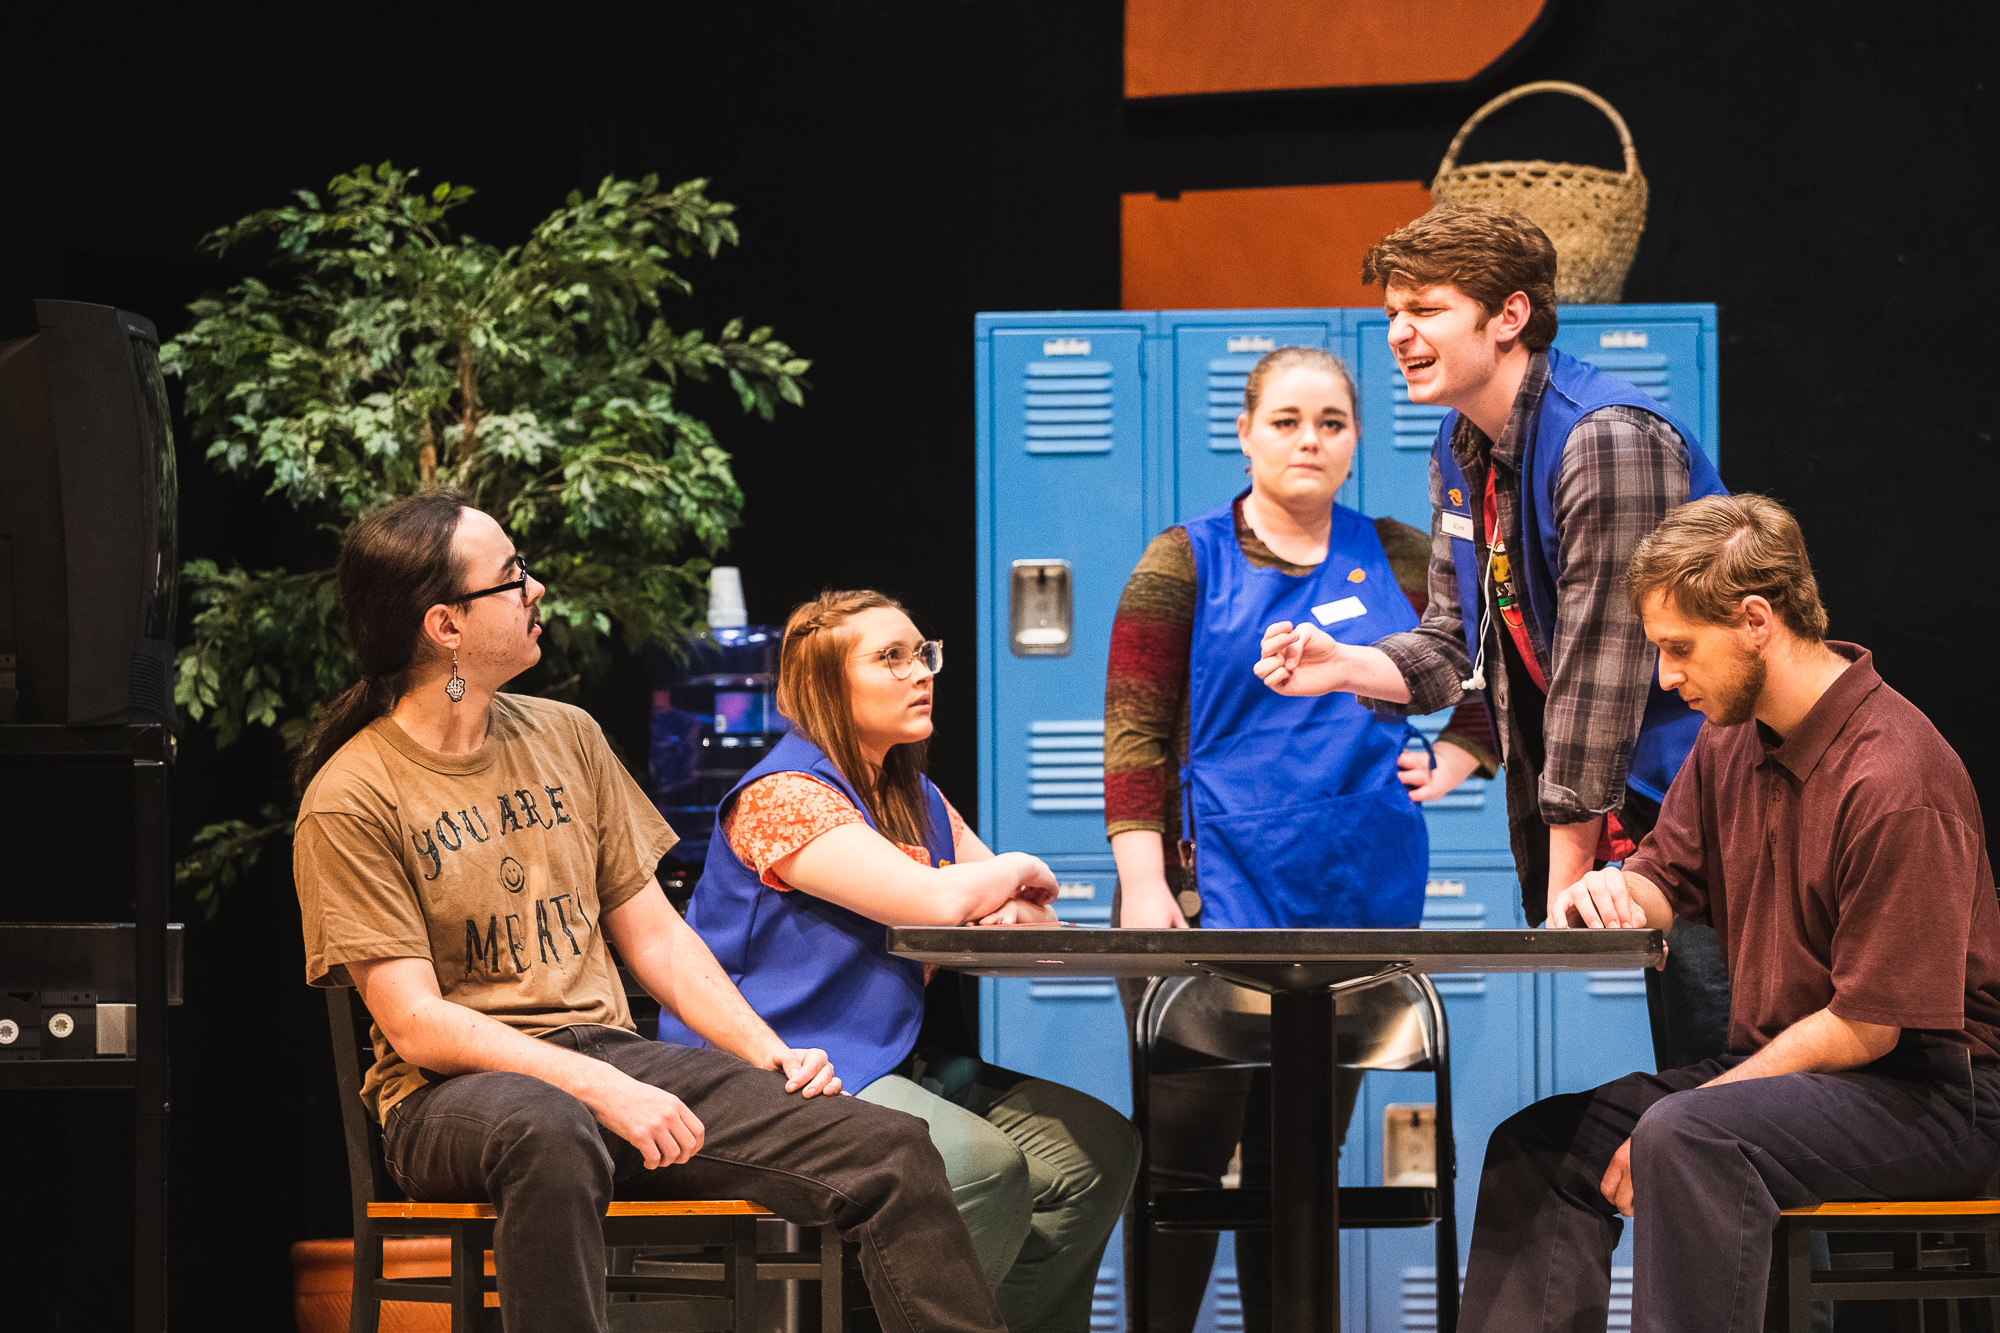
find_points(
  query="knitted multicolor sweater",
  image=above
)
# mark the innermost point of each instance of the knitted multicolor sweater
(1146, 687)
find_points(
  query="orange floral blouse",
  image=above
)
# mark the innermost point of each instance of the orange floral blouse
(776, 815)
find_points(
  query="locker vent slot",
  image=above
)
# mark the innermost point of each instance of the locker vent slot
(1066, 765)
(1419, 1312)
(1416, 424)
(1467, 795)
(1464, 916)
(1648, 370)
(1459, 983)
(1228, 1294)
(1107, 1304)
(1420, 1300)
(1630, 982)
(1227, 376)
(1068, 406)
(1074, 988)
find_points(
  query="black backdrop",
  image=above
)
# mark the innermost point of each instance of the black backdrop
(1819, 169)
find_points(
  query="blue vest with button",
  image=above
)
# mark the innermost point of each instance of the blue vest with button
(1297, 815)
(819, 974)
(1575, 389)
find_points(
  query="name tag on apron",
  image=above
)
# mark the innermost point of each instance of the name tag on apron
(1456, 525)
(1332, 613)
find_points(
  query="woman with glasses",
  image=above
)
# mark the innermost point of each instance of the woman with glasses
(1228, 805)
(838, 834)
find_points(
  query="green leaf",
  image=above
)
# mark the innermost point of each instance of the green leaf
(321, 379)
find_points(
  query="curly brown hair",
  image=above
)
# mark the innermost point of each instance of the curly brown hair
(1485, 251)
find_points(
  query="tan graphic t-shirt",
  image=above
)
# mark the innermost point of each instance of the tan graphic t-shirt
(497, 866)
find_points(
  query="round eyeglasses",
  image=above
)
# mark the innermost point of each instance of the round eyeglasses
(903, 660)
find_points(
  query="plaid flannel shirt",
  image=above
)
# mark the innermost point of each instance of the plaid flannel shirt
(1622, 470)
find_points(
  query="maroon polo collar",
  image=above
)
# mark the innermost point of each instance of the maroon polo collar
(1799, 753)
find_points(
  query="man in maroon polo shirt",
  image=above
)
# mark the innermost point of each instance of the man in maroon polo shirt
(1833, 840)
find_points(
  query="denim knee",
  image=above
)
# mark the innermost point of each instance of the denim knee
(1674, 1133)
(1670, 1120)
(1521, 1128)
(547, 1134)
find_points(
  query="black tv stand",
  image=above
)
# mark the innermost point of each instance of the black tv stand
(150, 751)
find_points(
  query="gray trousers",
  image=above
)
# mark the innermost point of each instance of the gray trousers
(1040, 1173)
(1711, 1169)
(539, 1155)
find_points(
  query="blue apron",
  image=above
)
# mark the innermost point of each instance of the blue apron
(1575, 388)
(1297, 815)
(818, 973)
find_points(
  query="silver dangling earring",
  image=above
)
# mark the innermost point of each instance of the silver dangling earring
(455, 687)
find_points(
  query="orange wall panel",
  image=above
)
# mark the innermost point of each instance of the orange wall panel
(1176, 47)
(1296, 245)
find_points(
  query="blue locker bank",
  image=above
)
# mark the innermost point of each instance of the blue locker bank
(1096, 430)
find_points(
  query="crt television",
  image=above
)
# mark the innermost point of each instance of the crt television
(88, 566)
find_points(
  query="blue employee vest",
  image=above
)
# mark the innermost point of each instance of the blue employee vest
(818, 973)
(1297, 815)
(1575, 389)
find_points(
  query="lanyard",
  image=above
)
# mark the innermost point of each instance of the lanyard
(1513, 624)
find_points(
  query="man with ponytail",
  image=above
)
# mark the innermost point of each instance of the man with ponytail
(465, 858)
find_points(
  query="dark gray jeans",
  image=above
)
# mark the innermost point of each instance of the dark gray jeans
(1711, 1168)
(540, 1156)
(1687, 1003)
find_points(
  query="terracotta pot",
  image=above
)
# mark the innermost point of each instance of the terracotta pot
(323, 1284)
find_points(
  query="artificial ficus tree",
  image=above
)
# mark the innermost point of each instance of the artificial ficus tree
(382, 352)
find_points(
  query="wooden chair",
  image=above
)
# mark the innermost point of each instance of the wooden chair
(1947, 1252)
(1190, 1023)
(677, 1266)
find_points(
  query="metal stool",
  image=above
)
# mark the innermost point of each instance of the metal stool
(1183, 1024)
(1952, 1272)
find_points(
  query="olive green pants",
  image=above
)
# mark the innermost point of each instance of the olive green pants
(1040, 1173)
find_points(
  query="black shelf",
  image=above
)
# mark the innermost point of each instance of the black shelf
(108, 1072)
(150, 752)
(86, 743)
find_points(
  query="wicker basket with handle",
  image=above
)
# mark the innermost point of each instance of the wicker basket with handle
(1592, 216)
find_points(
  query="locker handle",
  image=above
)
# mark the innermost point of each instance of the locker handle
(1040, 615)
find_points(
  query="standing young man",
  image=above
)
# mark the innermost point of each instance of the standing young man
(1544, 475)
(464, 857)
(1832, 837)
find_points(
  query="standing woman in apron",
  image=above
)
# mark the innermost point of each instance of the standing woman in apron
(1295, 815)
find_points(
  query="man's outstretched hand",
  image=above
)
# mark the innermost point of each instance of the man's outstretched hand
(1300, 660)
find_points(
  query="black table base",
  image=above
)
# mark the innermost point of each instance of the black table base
(1305, 1153)
(1304, 972)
